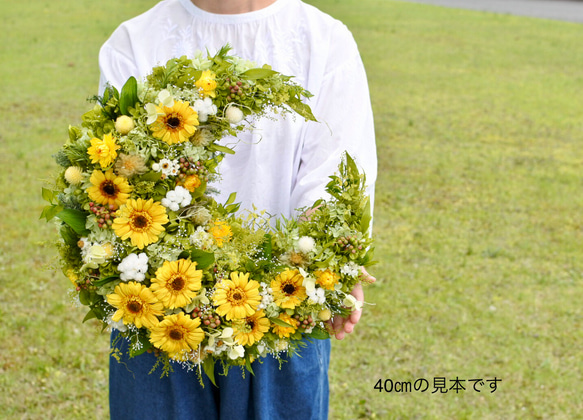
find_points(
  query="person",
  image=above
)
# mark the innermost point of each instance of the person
(282, 165)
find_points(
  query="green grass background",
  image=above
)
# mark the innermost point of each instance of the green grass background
(478, 219)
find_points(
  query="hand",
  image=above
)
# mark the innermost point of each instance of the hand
(341, 326)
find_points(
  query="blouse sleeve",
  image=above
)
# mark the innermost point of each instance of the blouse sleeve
(345, 124)
(116, 64)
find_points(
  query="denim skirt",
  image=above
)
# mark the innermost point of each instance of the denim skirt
(299, 390)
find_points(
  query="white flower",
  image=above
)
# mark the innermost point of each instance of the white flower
(281, 345)
(306, 244)
(317, 296)
(351, 302)
(351, 269)
(116, 325)
(167, 167)
(237, 352)
(201, 239)
(95, 255)
(133, 267)
(177, 198)
(266, 296)
(234, 115)
(204, 108)
(165, 98)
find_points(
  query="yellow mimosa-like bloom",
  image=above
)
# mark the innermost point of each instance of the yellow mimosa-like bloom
(192, 182)
(103, 150)
(136, 304)
(176, 283)
(175, 124)
(288, 289)
(221, 231)
(282, 331)
(237, 298)
(108, 188)
(251, 329)
(177, 334)
(327, 278)
(207, 84)
(141, 221)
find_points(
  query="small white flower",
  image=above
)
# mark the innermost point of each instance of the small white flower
(351, 302)
(317, 296)
(306, 244)
(237, 352)
(351, 269)
(116, 325)
(204, 108)
(234, 115)
(201, 239)
(95, 256)
(177, 198)
(133, 267)
(165, 98)
(167, 167)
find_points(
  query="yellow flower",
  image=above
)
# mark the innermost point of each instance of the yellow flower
(72, 276)
(207, 84)
(327, 278)
(251, 329)
(141, 221)
(221, 231)
(74, 175)
(136, 304)
(237, 298)
(108, 189)
(176, 283)
(130, 165)
(192, 182)
(124, 124)
(175, 124)
(103, 151)
(285, 331)
(177, 334)
(288, 289)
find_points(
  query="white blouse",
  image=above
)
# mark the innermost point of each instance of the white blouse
(284, 164)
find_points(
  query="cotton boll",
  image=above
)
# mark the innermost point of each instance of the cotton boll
(234, 115)
(306, 244)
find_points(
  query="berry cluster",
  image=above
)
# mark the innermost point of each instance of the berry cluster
(237, 90)
(104, 214)
(349, 244)
(188, 167)
(305, 322)
(207, 317)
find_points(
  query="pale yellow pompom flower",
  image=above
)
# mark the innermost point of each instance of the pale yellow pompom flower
(74, 175)
(124, 124)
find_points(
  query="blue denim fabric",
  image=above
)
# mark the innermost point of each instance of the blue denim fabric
(298, 391)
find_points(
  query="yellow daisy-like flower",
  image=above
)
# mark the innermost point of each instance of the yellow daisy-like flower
(251, 329)
(221, 231)
(288, 289)
(103, 151)
(327, 278)
(108, 188)
(177, 334)
(207, 84)
(135, 304)
(192, 182)
(175, 124)
(141, 221)
(176, 283)
(285, 331)
(237, 298)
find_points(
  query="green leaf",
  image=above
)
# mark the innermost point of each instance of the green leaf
(208, 365)
(145, 345)
(151, 176)
(319, 334)
(366, 218)
(104, 281)
(84, 297)
(281, 323)
(231, 198)
(222, 149)
(90, 315)
(202, 258)
(255, 74)
(50, 211)
(48, 195)
(69, 236)
(75, 219)
(267, 246)
(128, 96)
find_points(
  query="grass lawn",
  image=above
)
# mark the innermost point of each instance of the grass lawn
(477, 220)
